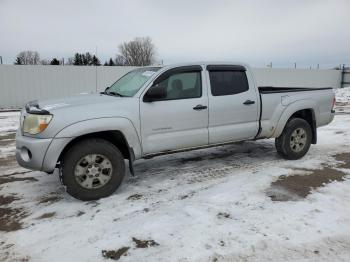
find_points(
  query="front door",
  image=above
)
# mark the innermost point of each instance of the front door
(178, 120)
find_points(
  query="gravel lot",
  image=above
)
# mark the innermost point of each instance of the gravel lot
(238, 202)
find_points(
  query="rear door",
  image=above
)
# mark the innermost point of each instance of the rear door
(180, 120)
(233, 105)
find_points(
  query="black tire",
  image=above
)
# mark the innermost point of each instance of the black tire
(82, 149)
(283, 142)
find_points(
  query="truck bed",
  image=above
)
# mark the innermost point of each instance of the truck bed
(275, 100)
(272, 89)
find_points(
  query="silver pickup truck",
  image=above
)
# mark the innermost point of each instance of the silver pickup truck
(161, 110)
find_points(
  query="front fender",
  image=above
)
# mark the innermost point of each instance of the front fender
(67, 134)
(290, 110)
(121, 124)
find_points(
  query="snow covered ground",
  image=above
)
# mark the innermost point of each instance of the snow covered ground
(230, 203)
(343, 99)
(343, 95)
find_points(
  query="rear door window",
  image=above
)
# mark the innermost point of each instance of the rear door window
(227, 82)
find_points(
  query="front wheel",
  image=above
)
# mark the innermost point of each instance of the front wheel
(92, 169)
(295, 140)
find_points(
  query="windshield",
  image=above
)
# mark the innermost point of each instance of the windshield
(131, 83)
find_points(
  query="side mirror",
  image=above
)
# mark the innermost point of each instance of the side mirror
(155, 93)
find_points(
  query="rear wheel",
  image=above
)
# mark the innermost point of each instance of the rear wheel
(92, 169)
(295, 140)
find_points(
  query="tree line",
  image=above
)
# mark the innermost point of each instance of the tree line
(137, 52)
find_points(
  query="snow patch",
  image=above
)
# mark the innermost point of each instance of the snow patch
(343, 95)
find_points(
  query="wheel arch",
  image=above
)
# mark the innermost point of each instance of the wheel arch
(115, 137)
(119, 131)
(308, 115)
(306, 110)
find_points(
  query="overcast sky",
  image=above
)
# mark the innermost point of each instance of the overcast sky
(255, 31)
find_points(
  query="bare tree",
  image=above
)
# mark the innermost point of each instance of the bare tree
(70, 61)
(28, 58)
(44, 62)
(120, 60)
(138, 52)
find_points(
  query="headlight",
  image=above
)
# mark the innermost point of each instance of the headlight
(35, 124)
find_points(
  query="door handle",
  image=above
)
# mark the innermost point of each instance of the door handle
(200, 107)
(248, 102)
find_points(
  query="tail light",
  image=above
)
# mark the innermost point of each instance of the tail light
(333, 103)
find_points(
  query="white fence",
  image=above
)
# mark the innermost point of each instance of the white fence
(298, 77)
(20, 84)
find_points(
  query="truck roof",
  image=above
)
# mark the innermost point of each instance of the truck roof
(207, 63)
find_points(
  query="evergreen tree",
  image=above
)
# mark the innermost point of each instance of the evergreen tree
(85, 59)
(54, 62)
(77, 60)
(111, 62)
(95, 61)
(18, 61)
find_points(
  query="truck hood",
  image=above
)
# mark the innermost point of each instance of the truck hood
(81, 100)
(69, 110)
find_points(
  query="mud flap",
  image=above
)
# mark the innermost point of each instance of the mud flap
(131, 161)
(314, 131)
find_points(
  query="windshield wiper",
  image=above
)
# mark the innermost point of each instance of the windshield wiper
(111, 93)
(115, 93)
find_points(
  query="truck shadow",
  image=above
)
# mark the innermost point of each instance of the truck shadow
(234, 155)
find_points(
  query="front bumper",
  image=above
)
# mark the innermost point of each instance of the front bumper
(39, 154)
(30, 152)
